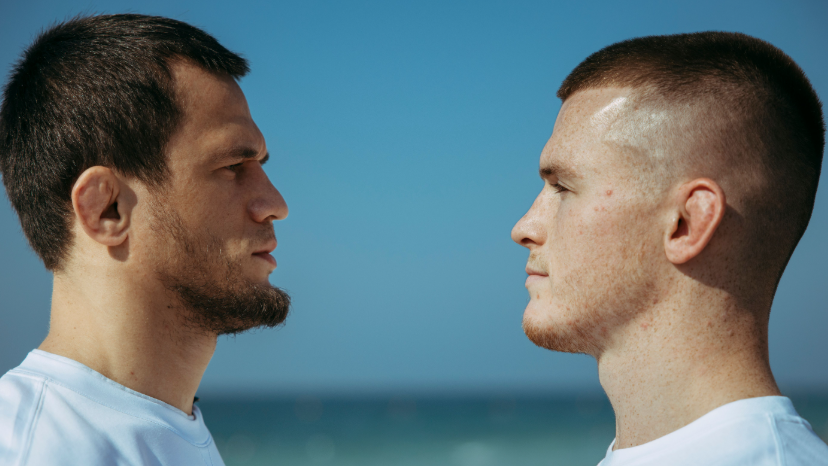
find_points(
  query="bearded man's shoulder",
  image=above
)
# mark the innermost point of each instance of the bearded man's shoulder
(55, 411)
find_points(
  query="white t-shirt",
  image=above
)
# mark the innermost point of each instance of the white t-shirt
(55, 411)
(756, 431)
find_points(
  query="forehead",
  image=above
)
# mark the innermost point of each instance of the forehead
(586, 136)
(215, 113)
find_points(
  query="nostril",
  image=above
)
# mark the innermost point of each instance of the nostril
(268, 208)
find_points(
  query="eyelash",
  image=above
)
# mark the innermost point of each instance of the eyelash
(234, 167)
(558, 188)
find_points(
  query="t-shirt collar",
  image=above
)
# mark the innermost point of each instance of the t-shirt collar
(85, 381)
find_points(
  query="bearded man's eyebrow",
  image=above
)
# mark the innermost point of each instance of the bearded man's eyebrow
(238, 154)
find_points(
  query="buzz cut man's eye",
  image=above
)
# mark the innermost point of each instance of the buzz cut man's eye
(558, 188)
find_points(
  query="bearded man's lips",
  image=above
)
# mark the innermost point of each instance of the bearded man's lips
(264, 252)
(266, 256)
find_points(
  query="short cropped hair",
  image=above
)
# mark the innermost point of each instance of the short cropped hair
(737, 78)
(94, 90)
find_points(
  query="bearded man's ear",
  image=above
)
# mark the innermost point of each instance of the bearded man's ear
(700, 207)
(102, 205)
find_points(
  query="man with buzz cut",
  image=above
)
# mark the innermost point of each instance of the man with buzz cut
(680, 175)
(128, 151)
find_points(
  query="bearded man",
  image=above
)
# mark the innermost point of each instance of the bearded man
(680, 175)
(128, 151)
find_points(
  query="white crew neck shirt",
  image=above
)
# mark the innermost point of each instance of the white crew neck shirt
(765, 431)
(57, 412)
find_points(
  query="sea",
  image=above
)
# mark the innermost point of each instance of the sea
(474, 430)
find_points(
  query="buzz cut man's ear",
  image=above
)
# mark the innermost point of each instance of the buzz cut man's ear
(700, 207)
(98, 202)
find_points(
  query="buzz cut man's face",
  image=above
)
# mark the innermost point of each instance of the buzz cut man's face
(590, 232)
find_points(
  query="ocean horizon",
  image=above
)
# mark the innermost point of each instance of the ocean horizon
(426, 430)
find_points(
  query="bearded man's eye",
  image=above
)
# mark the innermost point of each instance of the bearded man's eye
(235, 167)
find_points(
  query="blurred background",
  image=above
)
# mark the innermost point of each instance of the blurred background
(405, 137)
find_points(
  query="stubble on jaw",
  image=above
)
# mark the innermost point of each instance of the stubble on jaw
(605, 275)
(588, 304)
(208, 286)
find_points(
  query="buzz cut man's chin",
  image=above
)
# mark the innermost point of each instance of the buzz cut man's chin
(561, 338)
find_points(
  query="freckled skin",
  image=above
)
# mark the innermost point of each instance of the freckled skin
(614, 272)
(609, 248)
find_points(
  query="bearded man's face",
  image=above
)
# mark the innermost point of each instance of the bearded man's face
(212, 220)
(210, 285)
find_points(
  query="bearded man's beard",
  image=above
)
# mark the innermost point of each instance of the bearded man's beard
(226, 305)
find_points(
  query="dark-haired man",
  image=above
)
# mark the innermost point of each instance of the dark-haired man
(679, 177)
(128, 151)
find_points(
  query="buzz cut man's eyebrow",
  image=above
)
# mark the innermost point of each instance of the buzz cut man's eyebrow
(553, 169)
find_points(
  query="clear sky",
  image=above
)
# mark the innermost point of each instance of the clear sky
(405, 137)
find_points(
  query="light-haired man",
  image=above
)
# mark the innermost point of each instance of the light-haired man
(679, 178)
(128, 151)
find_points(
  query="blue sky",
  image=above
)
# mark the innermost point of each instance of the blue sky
(405, 137)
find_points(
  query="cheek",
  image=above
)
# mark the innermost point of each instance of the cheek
(218, 211)
(581, 227)
(591, 237)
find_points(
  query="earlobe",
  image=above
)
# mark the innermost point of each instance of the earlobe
(95, 200)
(700, 207)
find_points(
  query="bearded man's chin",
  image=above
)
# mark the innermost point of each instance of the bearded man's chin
(222, 311)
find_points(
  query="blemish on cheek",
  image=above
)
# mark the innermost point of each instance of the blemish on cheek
(609, 192)
(537, 296)
(645, 325)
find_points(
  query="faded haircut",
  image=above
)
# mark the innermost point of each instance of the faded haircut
(94, 90)
(747, 95)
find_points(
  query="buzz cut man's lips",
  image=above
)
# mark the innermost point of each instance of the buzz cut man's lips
(531, 271)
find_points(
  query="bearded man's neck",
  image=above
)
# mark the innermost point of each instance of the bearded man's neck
(130, 331)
